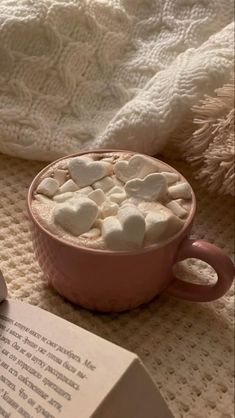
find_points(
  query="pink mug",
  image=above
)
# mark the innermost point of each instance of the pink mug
(113, 281)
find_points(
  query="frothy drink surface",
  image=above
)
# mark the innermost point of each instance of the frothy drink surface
(112, 201)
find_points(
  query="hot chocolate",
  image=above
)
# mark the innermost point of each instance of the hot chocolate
(112, 201)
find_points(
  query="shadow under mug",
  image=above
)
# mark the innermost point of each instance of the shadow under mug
(109, 281)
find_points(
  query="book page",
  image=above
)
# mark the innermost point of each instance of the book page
(51, 368)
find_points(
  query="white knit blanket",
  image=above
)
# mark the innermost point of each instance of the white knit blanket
(106, 73)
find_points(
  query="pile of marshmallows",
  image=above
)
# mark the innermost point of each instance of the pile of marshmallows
(126, 203)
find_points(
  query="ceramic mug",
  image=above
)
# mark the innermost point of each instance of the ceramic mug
(114, 281)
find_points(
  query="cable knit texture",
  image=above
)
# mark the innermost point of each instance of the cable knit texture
(106, 73)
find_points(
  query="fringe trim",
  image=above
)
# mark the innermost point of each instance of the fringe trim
(207, 140)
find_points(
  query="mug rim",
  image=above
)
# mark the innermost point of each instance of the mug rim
(62, 241)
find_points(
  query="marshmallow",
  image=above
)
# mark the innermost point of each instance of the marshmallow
(115, 189)
(131, 201)
(152, 187)
(117, 194)
(60, 175)
(156, 225)
(109, 209)
(85, 158)
(118, 197)
(105, 184)
(112, 233)
(181, 202)
(85, 172)
(161, 226)
(180, 190)
(85, 190)
(174, 225)
(108, 160)
(138, 166)
(76, 216)
(98, 196)
(124, 232)
(117, 182)
(48, 187)
(68, 186)
(133, 224)
(93, 233)
(59, 198)
(170, 177)
(116, 201)
(177, 209)
(43, 199)
(146, 207)
(98, 222)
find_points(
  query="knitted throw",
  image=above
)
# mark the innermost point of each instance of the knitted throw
(79, 74)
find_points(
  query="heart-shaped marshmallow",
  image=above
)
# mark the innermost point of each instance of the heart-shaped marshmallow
(76, 215)
(124, 232)
(151, 187)
(85, 172)
(138, 166)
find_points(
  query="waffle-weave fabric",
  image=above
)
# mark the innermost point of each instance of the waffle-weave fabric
(187, 347)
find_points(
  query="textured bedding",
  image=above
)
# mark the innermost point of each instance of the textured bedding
(113, 73)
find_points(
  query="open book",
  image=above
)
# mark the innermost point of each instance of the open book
(51, 368)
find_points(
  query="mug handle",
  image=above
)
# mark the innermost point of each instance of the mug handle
(216, 258)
